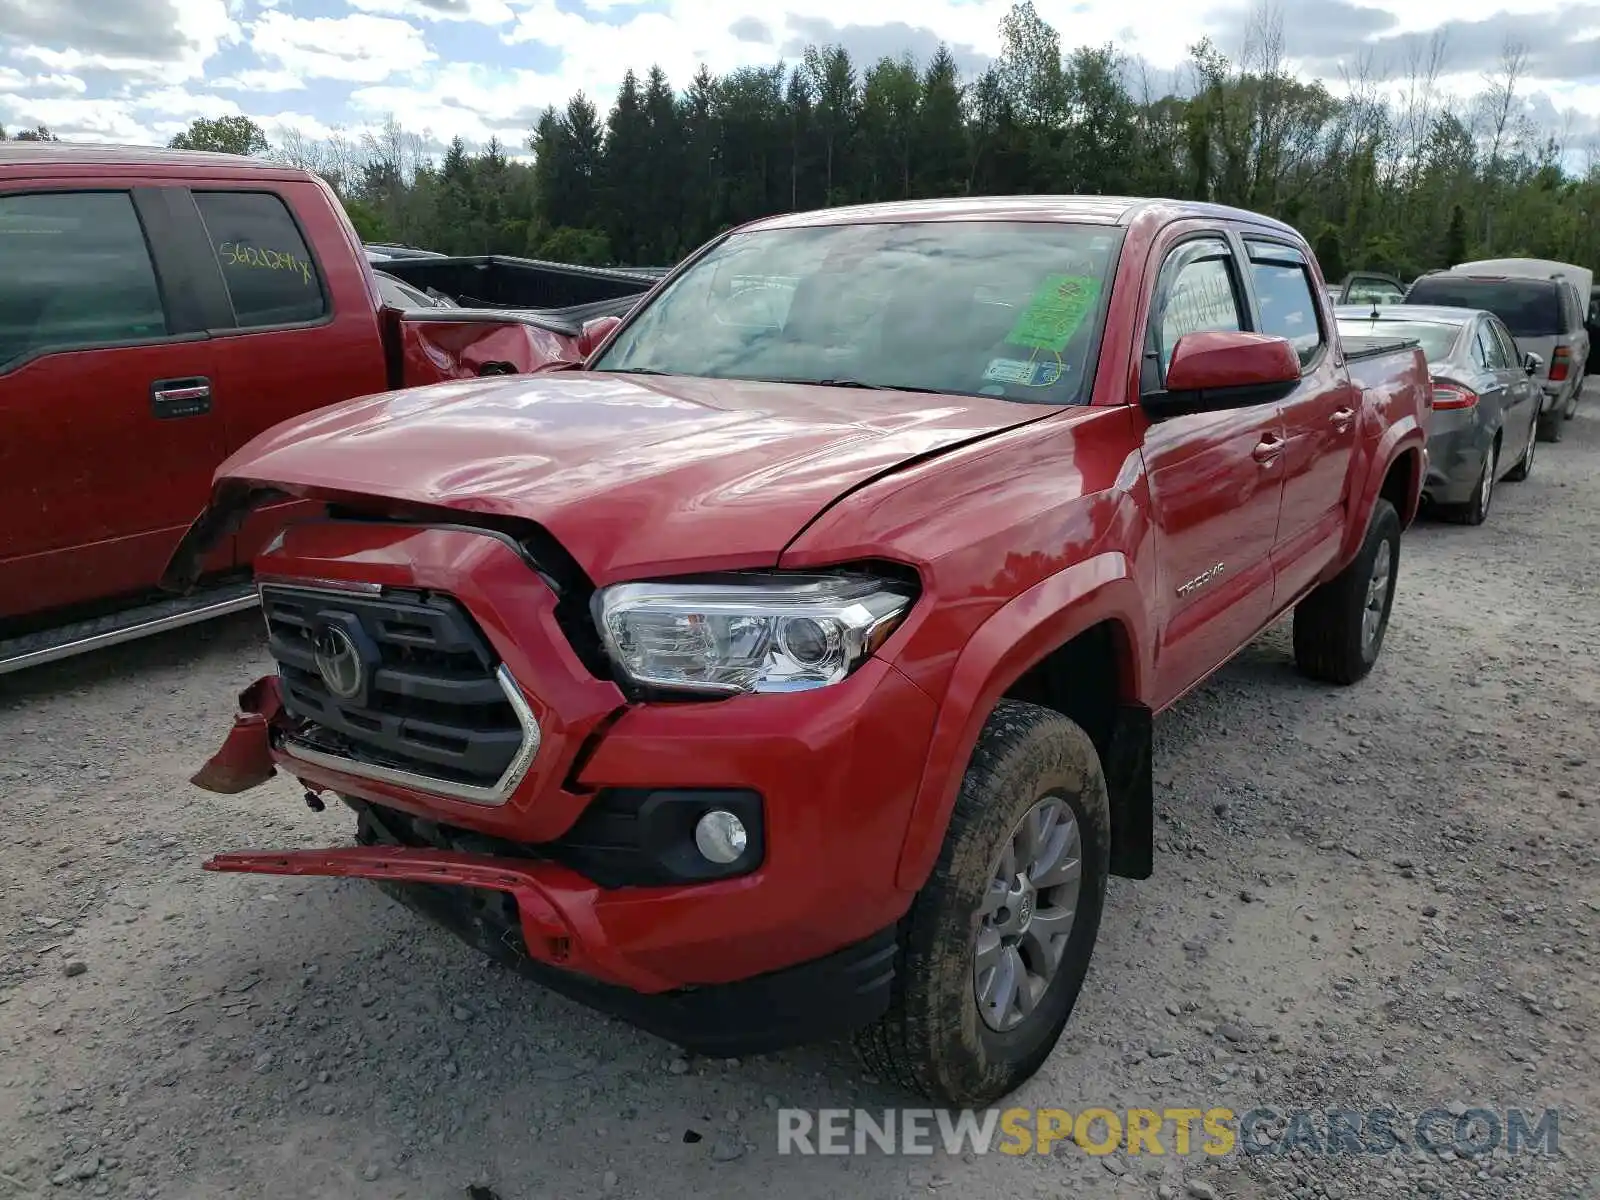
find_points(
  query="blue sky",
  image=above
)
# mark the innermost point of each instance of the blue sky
(139, 70)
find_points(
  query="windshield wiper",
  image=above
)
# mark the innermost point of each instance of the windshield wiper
(856, 383)
(632, 371)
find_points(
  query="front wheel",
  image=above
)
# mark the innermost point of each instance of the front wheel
(1339, 628)
(997, 943)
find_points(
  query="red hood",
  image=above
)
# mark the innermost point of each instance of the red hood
(632, 474)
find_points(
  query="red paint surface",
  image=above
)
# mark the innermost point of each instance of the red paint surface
(98, 491)
(1027, 525)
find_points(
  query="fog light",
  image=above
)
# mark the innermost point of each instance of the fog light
(720, 836)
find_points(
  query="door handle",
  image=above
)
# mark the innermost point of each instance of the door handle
(1343, 419)
(1268, 449)
(171, 399)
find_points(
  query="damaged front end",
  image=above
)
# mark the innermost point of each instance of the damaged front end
(244, 759)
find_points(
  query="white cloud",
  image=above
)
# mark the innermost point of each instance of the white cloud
(483, 12)
(89, 120)
(255, 80)
(41, 85)
(357, 49)
(200, 28)
(461, 99)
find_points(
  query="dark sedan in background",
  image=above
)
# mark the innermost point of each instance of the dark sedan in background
(1485, 399)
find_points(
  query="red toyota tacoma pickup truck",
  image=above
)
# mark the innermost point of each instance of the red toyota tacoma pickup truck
(158, 309)
(788, 667)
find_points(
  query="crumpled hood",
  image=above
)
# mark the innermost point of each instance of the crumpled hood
(632, 474)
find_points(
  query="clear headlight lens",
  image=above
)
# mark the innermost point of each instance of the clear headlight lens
(747, 633)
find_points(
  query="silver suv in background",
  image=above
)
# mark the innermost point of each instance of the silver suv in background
(1542, 304)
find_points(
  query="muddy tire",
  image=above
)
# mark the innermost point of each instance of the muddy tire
(945, 1035)
(1339, 628)
(1550, 426)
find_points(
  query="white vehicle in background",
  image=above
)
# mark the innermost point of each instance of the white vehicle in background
(1543, 303)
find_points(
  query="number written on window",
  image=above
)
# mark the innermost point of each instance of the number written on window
(1200, 300)
(270, 276)
(75, 273)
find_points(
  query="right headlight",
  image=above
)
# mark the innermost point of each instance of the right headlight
(747, 632)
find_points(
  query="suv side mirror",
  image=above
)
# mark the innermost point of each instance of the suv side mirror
(594, 332)
(1226, 369)
(1532, 364)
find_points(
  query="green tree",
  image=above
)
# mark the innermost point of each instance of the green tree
(224, 135)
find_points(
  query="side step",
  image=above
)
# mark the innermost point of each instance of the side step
(50, 645)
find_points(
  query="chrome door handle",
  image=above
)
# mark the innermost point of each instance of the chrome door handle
(1268, 449)
(174, 398)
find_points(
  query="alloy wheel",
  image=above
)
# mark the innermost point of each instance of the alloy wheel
(1027, 914)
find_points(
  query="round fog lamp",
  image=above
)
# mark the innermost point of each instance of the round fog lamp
(720, 837)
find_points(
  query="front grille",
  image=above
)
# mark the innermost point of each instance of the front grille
(432, 700)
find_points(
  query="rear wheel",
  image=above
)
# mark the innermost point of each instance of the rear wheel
(1339, 628)
(997, 943)
(1571, 409)
(1476, 510)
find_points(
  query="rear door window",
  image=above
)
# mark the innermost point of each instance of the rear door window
(75, 273)
(1529, 307)
(1508, 348)
(270, 276)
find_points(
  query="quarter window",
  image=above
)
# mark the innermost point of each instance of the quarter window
(75, 272)
(270, 276)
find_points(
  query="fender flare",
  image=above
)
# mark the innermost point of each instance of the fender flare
(1400, 439)
(1013, 639)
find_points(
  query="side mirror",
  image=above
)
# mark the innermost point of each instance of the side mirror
(1226, 369)
(594, 332)
(1532, 364)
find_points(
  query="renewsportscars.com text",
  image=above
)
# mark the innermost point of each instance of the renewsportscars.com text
(1469, 1132)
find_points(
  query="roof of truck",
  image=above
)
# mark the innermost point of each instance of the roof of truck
(77, 157)
(1093, 210)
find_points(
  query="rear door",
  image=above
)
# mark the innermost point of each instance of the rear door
(1319, 418)
(295, 327)
(1216, 478)
(108, 431)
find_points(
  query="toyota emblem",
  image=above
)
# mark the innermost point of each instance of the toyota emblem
(338, 662)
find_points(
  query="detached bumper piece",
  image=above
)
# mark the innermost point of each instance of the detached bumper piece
(515, 914)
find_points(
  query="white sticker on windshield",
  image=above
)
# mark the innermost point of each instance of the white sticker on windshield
(1024, 372)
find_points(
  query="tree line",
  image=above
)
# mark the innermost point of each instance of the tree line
(1375, 182)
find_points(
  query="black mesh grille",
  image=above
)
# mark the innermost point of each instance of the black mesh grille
(430, 702)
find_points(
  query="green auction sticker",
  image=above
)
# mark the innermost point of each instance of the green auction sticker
(1056, 312)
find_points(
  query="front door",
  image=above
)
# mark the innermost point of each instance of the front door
(1521, 393)
(108, 430)
(1215, 478)
(1319, 418)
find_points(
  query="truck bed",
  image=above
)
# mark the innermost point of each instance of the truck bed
(503, 282)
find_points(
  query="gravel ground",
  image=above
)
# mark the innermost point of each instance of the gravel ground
(1383, 897)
